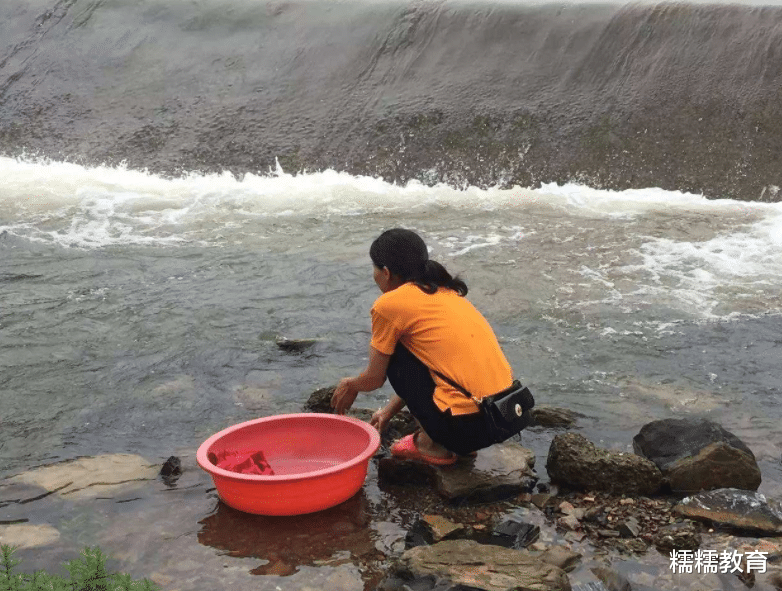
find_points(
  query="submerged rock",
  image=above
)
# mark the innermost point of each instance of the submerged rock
(320, 400)
(497, 472)
(611, 579)
(172, 468)
(548, 416)
(696, 454)
(479, 566)
(575, 461)
(736, 508)
(677, 536)
(294, 345)
(91, 477)
(561, 557)
(25, 535)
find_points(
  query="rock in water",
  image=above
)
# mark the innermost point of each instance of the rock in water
(718, 465)
(25, 535)
(575, 461)
(736, 508)
(171, 470)
(677, 536)
(171, 467)
(91, 477)
(547, 416)
(294, 345)
(696, 454)
(481, 566)
(611, 579)
(320, 400)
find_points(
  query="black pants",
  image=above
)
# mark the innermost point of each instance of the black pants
(413, 383)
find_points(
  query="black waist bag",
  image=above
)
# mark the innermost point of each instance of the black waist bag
(505, 413)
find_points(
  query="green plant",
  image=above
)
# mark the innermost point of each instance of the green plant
(87, 573)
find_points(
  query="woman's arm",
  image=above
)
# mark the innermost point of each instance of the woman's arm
(370, 379)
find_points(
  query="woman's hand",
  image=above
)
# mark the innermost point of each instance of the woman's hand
(381, 418)
(344, 395)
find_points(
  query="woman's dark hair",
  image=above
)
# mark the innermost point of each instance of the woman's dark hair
(404, 253)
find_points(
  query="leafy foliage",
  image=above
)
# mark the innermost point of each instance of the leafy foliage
(87, 573)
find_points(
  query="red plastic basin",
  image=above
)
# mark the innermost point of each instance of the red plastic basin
(319, 460)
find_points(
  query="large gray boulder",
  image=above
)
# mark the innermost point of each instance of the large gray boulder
(740, 509)
(696, 454)
(498, 472)
(479, 566)
(575, 461)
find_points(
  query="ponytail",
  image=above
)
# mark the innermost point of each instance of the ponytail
(404, 253)
(434, 275)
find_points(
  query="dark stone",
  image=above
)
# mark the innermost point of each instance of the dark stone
(575, 461)
(544, 487)
(696, 454)
(294, 345)
(513, 533)
(668, 440)
(171, 470)
(418, 535)
(320, 400)
(630, 528)
(546, 416)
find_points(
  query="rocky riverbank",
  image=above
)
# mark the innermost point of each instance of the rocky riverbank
(600, 504)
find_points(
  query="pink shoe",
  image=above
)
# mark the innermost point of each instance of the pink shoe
(407, 449)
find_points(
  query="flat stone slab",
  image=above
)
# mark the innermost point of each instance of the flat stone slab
(25, 535)
(91, 477)
(734, 507)
(481, 566)
(497, 472)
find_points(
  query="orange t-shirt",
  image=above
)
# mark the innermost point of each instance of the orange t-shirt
(447, 333)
